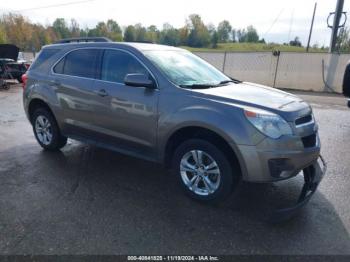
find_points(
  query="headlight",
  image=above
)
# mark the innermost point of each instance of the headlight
(267, 122)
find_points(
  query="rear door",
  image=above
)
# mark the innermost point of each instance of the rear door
(74, 81)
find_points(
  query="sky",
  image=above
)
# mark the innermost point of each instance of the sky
(276, 20)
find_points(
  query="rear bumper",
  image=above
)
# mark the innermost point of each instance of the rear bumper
(313, 174)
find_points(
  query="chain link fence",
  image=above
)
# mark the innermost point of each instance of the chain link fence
(300, 71)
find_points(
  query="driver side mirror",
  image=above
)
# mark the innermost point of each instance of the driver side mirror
(139, 80)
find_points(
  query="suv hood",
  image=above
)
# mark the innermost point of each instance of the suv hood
(9, 51)
(259, 96)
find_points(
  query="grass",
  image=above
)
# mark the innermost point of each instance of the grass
(250, 47)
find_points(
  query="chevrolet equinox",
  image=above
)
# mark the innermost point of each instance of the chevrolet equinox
(167, 105)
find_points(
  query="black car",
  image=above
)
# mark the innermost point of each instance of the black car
(9, 67)
(346, 83)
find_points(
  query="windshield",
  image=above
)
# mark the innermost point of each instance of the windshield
(185, 69)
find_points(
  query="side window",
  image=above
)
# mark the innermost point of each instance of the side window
(117, 64)
(80, 63)
(59, 67)
(42, 59)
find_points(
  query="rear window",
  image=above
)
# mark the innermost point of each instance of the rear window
(80, 63)
(41, 62)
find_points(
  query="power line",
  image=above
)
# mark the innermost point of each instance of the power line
(274, 21)
(56, 5)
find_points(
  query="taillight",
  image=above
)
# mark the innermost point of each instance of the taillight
(24, 81)
(27, 66)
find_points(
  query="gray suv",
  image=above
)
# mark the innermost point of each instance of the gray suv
(167, 105)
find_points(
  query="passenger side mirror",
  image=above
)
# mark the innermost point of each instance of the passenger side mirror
(139, 80)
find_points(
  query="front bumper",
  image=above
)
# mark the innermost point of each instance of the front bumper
(259, 163)
(313, 175)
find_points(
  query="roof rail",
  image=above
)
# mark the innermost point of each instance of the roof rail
(83, 39)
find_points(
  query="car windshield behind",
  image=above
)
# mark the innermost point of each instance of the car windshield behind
(185, 69)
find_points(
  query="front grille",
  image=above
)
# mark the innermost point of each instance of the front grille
(303, 120)
(309, 141)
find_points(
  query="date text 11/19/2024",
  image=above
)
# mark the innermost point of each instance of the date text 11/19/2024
(173, 258)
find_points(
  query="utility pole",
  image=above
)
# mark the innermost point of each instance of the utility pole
(311, 27)
(337, 15)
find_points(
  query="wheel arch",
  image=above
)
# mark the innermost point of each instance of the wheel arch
(37, 103)
(188, 132)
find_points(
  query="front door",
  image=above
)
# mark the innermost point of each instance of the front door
(127, 116)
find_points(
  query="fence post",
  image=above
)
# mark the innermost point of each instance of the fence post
(276, 53)
(224, 63)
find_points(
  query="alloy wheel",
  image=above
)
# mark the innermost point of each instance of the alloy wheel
(200, 172)
(43, 130)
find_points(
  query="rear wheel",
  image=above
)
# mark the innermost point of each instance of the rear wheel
(46, 130)
(204, 171)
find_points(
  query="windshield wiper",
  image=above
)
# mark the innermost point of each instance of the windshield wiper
(232, 80)
(204, 86)
(199, 86)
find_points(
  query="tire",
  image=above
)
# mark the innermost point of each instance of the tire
(213, 161)
(346, 81)
(50, 137)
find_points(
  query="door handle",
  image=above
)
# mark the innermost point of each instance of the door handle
(102, 92)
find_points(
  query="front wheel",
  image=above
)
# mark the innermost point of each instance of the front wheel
(46, 130)
(204, 171)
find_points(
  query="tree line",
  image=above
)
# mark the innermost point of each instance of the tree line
(19, 30)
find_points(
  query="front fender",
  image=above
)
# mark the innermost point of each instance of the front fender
(229, 123)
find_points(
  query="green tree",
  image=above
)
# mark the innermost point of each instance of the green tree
(129, 34)
(183, 35)
(111, 30)
(100, 30)
(61, 29)
(140, 33)
(241, 35)
(18, 30)
(233, 35)
(224, 31)
(39, 37)
(84, 32)
(199, 35)
(295, 42)
(114, 32)
(3, 38)
(249, 35)
(252, 35)
(152, 34)
(74, 28)
(169, 35)
(214, 39)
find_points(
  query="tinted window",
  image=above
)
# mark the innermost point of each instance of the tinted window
(80, 63)
(59, 67)
(41, 62)
(117, 64)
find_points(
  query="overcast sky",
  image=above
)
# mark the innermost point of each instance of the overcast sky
(275, 20)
